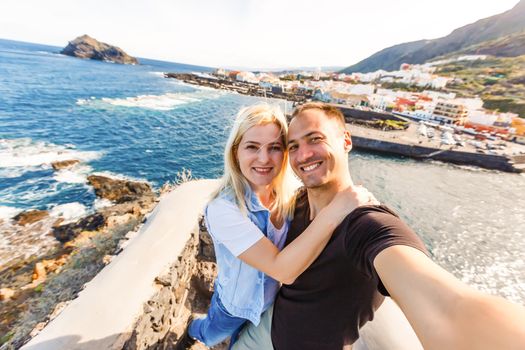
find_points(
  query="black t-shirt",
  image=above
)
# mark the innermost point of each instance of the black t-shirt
(328, 303)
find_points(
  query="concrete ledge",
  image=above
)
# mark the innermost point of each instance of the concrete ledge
(139, 298)
(388, 330)
(105, 312)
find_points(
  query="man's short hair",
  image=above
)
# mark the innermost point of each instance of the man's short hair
(329, 110)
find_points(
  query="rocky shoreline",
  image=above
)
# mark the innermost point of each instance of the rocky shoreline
(240, 87)
(34, 289)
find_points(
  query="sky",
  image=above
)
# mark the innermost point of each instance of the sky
(260, 34)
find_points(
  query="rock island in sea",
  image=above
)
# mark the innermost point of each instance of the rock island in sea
(87, 47)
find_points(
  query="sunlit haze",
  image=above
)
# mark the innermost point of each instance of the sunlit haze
(243, 33)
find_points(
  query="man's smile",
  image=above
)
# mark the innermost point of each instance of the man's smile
(311, 166)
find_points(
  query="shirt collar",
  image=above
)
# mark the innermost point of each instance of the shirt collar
(252, 201)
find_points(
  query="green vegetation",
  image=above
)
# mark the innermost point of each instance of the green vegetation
(404, 87)
(390, 124)
(498, 81)
(5, 338)
(505, 105)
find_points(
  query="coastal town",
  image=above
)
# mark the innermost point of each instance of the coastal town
(408, 112)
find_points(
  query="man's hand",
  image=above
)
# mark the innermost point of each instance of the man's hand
(444, 312)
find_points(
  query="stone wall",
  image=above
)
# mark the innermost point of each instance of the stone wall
(184, 289)
(143, 297)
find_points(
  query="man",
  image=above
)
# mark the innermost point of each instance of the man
(371, 254)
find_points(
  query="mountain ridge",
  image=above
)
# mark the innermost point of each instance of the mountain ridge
(416, 52)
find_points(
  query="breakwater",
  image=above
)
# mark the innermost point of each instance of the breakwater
(487, 161)
(408, 143)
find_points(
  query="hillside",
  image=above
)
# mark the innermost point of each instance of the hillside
(506, 46)
(499, 81)
(494, 27)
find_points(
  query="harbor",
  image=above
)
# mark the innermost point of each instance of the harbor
(383, 132)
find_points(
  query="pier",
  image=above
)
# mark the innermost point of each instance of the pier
(409, 143)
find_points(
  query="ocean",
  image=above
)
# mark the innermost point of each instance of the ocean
(131, 122)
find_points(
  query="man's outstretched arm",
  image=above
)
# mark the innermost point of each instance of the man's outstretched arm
(444, 312)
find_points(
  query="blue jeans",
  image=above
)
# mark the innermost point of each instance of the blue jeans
(217, 325)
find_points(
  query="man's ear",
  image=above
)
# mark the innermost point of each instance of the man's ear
(347, 141)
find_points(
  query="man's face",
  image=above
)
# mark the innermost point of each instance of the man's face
(318, 148)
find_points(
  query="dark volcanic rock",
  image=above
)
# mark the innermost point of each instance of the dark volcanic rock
(119, 190)
(65, 233)
(30, 217)
(64, 164)
(86, 47)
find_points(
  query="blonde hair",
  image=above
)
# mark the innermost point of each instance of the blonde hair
(234, 182)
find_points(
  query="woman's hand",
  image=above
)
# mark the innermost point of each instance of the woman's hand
(286, 265)
(347, 200)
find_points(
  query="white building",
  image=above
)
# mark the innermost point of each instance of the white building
(220, 72)
(380, 101)
(248, 77)
(439, 82)
(361, 89)
(435, 95)
(486, 117)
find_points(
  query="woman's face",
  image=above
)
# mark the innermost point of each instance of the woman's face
(260, 154)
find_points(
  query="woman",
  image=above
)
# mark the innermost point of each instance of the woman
(248, 218)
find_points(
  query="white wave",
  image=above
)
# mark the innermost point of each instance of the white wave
(23, 241)
(25, 152)
(75, 175)
(158, 74)
(102, 203)
(7, 213)
(35, 196)
(70, 212)
(9, 173)
(164, 102)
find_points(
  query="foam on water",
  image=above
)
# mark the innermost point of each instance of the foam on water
(158, 74)
(101, 203)
(164, 102)
(14, 172)
(77, 174)
(7, 213)
(23, 241)
(70, 212)
(35, 196)
(25, 152)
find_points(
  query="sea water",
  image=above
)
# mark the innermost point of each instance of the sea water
(131, 122)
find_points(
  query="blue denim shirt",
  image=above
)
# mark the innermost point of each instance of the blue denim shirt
(240, 287)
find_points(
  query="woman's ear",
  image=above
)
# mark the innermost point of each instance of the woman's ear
(347, 141)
